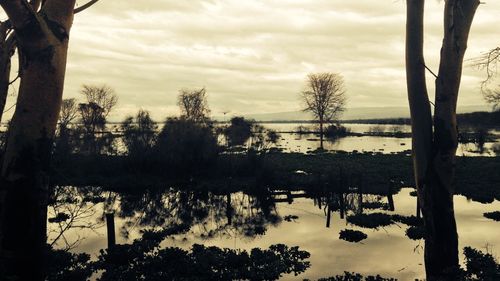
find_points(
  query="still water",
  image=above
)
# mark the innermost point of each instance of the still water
(295, 219)
(290, 141)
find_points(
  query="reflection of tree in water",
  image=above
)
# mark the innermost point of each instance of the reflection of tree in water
(71, 208)
(208, 214)
(352, 203)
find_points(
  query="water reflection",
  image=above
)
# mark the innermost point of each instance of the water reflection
(311, 220)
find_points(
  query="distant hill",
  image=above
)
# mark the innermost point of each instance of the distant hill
(359, 113)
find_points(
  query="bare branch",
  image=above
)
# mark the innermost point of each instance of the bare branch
(488, 61)
(85, 6)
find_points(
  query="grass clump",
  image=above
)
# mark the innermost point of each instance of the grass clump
(493, 215)
(350, 235)
(415, 232)
(374, 220)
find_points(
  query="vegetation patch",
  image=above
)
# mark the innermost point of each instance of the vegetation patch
(350, 276)
(415, 232)
(60, 217)
(352, 235)
(375, 205)
(374, 220)
(493, 215)
(290, 218)
(408, 220)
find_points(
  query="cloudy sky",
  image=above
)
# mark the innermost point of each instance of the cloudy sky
(253, 55)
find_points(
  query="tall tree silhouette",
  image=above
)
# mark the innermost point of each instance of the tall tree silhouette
(324, 97)
(42, 40)
(434, 142)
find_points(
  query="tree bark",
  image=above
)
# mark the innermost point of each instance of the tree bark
(321, 133)
(43, 44)
(6, 50)
(434, 152)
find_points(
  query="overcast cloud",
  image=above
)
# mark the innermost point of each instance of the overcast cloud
(253, 55)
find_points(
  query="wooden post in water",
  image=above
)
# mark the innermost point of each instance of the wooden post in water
(329, 202)
(328, 216)
(360, 193)
(110, 224)
(389, 195)
(418, 208)
(229, 209)
(342, 188)
(342, 205)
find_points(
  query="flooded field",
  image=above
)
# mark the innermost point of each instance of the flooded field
(242, 221)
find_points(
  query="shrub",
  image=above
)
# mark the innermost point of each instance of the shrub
(352, 235)
(493, 215)
(139, 134)
(185, 145)
(239, 131)
(336, 131)
(374, 220)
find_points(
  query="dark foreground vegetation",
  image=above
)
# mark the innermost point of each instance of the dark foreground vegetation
(254, 172)
(140, 261)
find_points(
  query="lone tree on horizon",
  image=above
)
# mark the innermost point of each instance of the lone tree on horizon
(324, 97)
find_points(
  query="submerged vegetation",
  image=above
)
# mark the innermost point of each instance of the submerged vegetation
(352, 235)
(144, 259)
(493, 215)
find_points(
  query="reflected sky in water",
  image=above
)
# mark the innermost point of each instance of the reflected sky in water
(303, 143)
(386, 251)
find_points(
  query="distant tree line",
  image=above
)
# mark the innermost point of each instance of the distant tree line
(183, 145)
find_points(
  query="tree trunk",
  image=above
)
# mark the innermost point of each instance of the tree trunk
(43, 44)
(6, 50)
(434, 154)
(321, 133)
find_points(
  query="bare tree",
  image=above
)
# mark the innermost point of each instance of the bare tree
(194, 104)
(493, 97)
(42, 39)
(102, 96)
(69, 112)
(435, 142)
(93, 114)
(325, 98)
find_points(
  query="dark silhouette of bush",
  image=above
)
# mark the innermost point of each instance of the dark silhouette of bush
(239, 131)
(183, 145)
(480, 266)
(139, 134)
(144, 260)
(63, 266)
(352, 235)
(336, 131)
(374, 220)
(493, 215)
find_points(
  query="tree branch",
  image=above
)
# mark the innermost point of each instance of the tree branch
(85, 6)
(20, 13)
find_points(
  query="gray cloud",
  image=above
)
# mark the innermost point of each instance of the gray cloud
(253, 56)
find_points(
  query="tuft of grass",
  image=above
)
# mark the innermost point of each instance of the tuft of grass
(374, 220)
(350, 235)
(493, 215)
(415, 232)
